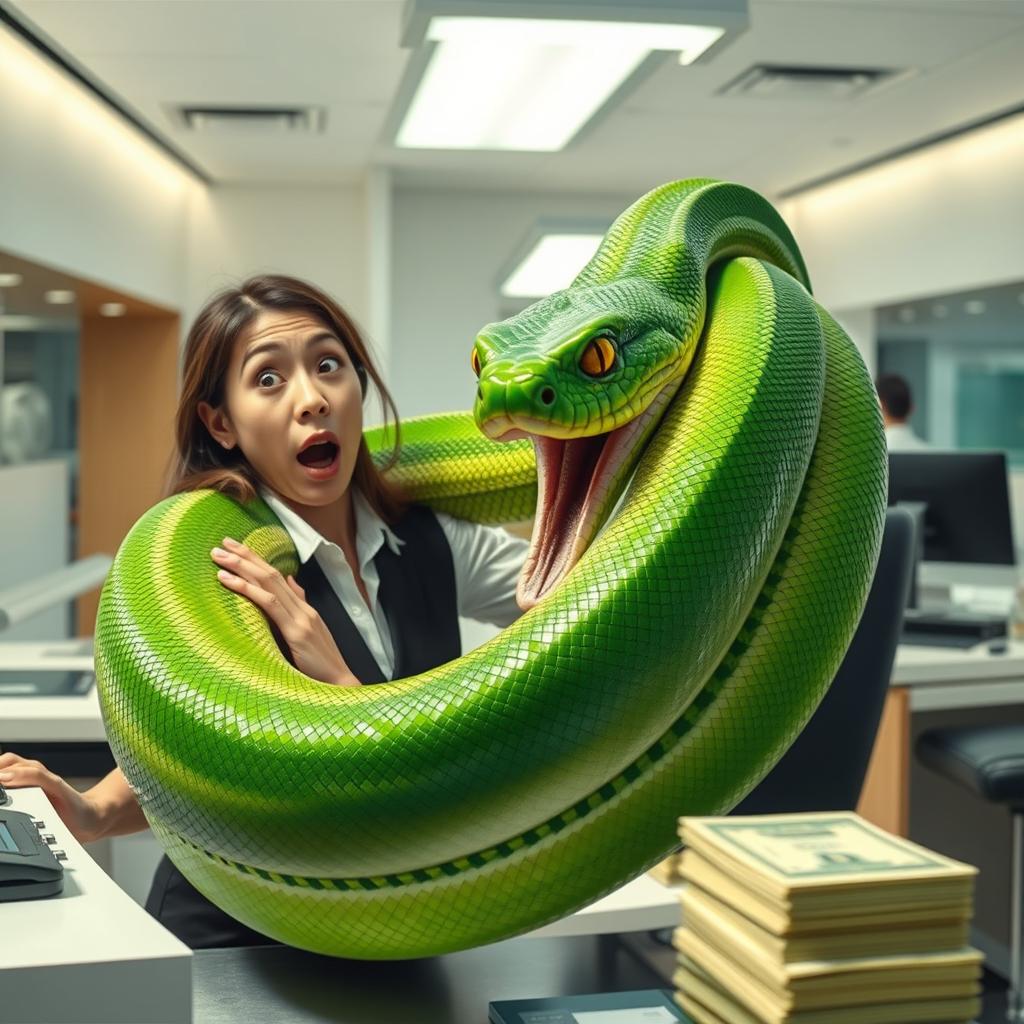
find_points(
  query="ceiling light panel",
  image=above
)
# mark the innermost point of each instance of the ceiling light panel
(530, 83)
(552, 264)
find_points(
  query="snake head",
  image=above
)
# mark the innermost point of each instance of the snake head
(585, 374)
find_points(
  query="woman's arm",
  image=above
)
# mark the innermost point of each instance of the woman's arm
(118, 811)
(107, 809)
(487, 562)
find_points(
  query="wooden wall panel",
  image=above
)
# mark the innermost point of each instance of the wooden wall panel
(885, 798)
(128, 393)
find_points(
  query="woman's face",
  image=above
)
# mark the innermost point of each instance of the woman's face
(289, 378)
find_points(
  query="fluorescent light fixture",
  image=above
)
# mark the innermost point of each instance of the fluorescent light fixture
(10, 280)
(25, 322)
(550, 265)
(499, 82)
(59, 296)
(113, 309)
(24, 600)
(975, 306)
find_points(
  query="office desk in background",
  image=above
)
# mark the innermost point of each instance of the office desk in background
(926, 679)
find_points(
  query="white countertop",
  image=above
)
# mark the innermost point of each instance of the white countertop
(90, 952)
(641, 905)
(71, 719)
(929, 665)
(92, 920)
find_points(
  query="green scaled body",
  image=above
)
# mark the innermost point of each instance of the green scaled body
(664, 675)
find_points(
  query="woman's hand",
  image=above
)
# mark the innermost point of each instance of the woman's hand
(81, 815)
(283, 601)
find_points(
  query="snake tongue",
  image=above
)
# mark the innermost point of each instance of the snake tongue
(579, 482)
(565, 470)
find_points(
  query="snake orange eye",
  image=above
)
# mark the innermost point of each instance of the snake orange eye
(474, 361)
(598, 357)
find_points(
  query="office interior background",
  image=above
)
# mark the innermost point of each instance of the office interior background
(152, 153)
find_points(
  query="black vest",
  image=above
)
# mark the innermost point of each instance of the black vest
(417, 593)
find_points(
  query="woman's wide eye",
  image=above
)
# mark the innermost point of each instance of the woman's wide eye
(327, 359)
(263, 375)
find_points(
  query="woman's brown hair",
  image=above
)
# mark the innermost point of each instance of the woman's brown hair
(198, 461)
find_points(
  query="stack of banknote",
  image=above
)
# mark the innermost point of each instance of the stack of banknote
(667, 870)
(821, 919)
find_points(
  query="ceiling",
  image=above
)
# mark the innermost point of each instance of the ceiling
(962, 59)
(959, 315)
(26, 303)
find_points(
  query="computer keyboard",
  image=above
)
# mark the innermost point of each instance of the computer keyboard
(918, 639)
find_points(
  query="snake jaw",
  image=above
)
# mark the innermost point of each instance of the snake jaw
(579, 480)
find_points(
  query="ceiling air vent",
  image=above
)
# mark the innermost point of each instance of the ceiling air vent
(775, 82)
(254, 120)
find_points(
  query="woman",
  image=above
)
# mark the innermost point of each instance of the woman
(274, 378)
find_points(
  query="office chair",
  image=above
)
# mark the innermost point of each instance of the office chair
(824, 769)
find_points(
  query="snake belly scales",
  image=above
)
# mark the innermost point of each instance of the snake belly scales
(668, 656)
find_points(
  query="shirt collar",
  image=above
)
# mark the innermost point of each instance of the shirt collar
(371, 531)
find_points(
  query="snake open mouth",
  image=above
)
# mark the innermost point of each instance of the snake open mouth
(579, 481)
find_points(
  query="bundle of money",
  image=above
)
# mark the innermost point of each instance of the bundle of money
(821, 919)
(667, 871)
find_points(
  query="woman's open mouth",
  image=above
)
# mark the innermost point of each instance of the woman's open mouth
(320, 461)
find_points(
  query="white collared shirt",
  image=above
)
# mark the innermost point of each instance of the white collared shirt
(900, 437)
(487, 562)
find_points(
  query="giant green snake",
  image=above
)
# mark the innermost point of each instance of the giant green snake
(668, 657)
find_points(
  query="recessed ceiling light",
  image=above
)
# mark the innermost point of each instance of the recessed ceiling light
(906, 314)
(10, 280)
(59, 296)
(940, 311)
(974, 306)
(113, 309)
(551, 264)
(491, 81)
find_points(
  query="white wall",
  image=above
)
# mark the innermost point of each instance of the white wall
(34, 539)
(82, 192)
(448, 251)
(861, 326)
(316, 233)
(79, 192)
(944, 219)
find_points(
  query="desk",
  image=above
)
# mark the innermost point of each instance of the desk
(91, 954)
(931, 679)
(280, 985)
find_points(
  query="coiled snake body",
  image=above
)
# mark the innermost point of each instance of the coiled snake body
(665, 661)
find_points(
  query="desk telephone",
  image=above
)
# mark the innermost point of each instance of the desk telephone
(30, 867)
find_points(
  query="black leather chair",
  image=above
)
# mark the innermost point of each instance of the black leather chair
(989, 761)
(824, 769)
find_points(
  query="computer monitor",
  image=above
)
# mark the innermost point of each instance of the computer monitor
(967, 534)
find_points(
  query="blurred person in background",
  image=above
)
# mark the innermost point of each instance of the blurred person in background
(897, 406)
